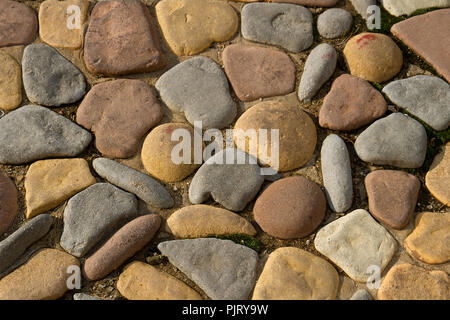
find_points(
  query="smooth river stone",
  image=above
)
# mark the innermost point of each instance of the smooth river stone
(396, 140)
(121, 39)
(351, 103)
(426, 97)
(140, 281)
(8, 202)
(198, 221)
(407, 7)
(295, 274)
(257, 72)
(437, 178)
(191, 26)
(128, 240)
(285, 25)
(93, 213)
(311, 3)
(222, 269)
(84, 296)
(32, 132)
(48, 183)
(430, 240)
(43, 277)
(356, 242)
(10, 83)
(334, 23)
(18, 23)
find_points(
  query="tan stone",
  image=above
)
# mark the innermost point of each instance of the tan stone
(43, 277)
(55, 18)
(437, 179)
(10, 83)
(199, 221)
(295, 274)
(190, 26)
(141, 281)
(48, 183)
(430, 240)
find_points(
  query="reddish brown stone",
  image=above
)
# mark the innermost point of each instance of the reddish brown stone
(121, 39)
(257, 72)
(351, 103)
(290, 208)
(119, 113)
(131, 238)
(311, 3)
(8, 202)
(392, 196)
(18, 23)
(424, 34)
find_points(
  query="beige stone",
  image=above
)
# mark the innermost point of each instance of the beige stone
(437, 179)
(48, 183)
(10, 83)
(295, 274)
(43, 277)
(141, 281)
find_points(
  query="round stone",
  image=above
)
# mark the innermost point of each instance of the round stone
(290, 208)
(437, 179)
(18, 23)
(10, 83)
(334, 23)
(8, 202)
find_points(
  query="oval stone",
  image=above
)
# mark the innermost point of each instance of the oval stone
(18, 23)
(10, 82)
(437, 179)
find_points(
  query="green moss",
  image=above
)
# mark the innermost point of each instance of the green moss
(242, 239)
(378, 86)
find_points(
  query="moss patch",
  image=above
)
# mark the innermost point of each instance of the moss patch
(242, 239)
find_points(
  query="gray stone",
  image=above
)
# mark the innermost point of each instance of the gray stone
(426, 97)
(361, 295)
(362, 5)
(407, 7)
(50, 79)
(142, 185)
(199, 88)
(93, 213)
(84, 296)
(337, 173)
(221, 268)
(285, 25)
(232, 184)
(395, 140)
(33, 133)
(319, 68)
(334, 23)
(15, 245)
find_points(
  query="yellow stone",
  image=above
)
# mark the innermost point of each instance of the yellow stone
(10, 83)
(294, 274)
(43, 277)
(61, 23)
(437, 179)
(140, 281)
(198, 221)
(190, 26)
(48, 183)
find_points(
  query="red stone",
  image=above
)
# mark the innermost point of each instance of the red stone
(18, 23)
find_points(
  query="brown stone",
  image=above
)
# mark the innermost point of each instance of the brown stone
(257, 72)
(18, 23)
(351, 103)
(437, 179)
(311, 3)
(290, 208)
(392, 196)
(8, 202)
(121, 39)
(119, 112)
(128, 240)
(10, 82)
(424, 35)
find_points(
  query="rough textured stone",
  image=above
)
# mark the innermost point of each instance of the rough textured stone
(437, 178)
(361, 295)
(337, 173)
(297, 134)
(409, 282)
(190, 26)
(396, 140)
(354, 243)
(311, 3)
(222, 269)
(392, 196)
(43, 277)
(49, 183)
(8, 202)
(121, 39)
(373, 56)
(92, 213)
(290, 208)
(198, 221)
(285, 25)
(141, 281)
(430, 240)
(362, 5)
(257, 72)
(199, 88)
(351, 103)
(334, 23)
(63, 83)
(426, 97)
(407, 7)
(15, 244)
(84, 296)
(120, 113)
(18, 23)
(128, 240)
(33, 132)
(295, 274)
(10, 82)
